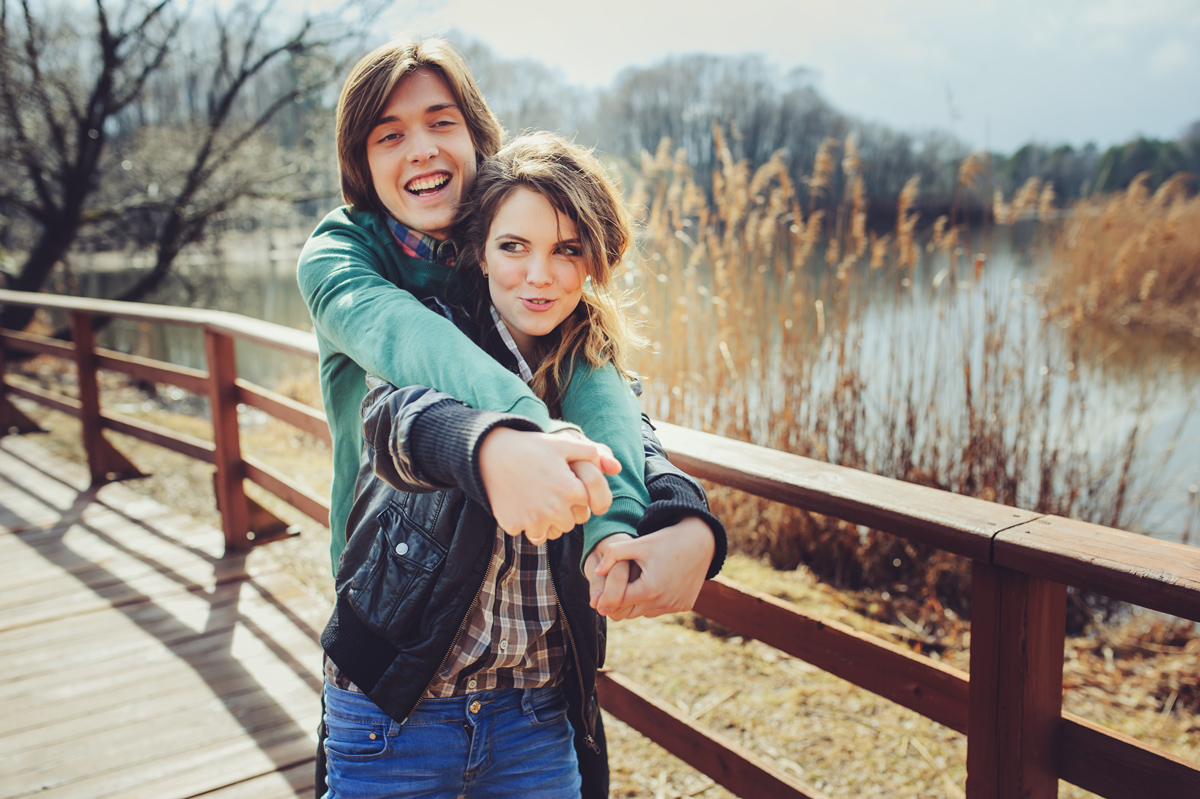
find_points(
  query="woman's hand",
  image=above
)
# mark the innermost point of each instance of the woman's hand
(668, 568)
(607, 591)
(535, 483)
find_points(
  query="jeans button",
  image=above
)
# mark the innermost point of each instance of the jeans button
(474, 707)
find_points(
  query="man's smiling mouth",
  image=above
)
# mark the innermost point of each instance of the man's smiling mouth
(427, 184)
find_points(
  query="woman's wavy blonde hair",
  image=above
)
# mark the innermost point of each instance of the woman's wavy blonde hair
(574, 182)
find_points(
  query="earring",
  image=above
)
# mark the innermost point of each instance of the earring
(485, 271)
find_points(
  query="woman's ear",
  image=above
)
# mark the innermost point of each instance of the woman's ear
(483, 266)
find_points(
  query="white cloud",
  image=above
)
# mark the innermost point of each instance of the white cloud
(1126, 14)
(1171, 56)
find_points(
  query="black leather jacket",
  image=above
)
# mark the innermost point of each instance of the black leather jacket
(420, 536)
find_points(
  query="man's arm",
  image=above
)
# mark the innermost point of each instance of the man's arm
(349, 275)
(358, 307)
(419, 439)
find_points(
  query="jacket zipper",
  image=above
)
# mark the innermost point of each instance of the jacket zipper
(462, 625)
(588, 738)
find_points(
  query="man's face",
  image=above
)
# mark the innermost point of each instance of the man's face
(421, 156)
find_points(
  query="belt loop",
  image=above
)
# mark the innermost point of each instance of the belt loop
(526, 701)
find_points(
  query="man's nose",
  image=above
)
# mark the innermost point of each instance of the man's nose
(421, 146)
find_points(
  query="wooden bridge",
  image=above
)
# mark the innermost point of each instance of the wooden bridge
(188, 675)
(140, 659)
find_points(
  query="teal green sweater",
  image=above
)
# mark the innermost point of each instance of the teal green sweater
(364, 295)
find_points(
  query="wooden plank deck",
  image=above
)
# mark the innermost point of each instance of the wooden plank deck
(137, 662)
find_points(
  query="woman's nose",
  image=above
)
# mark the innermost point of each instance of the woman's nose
(537, 272)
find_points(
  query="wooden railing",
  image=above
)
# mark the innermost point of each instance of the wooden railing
(1019, 740)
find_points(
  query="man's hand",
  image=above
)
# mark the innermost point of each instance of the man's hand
(673, 563)
(532, 486)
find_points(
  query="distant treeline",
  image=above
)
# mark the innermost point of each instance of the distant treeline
(763, 111)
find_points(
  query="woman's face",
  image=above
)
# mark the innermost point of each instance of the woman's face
(535, 268)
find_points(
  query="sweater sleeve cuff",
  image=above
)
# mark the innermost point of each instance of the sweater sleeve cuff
(665, 513)
(447, 437)
(621, 517)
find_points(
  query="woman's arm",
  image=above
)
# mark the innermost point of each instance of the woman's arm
(601, 402)
(688, 547)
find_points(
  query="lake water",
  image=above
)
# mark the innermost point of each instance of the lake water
(1129, 377)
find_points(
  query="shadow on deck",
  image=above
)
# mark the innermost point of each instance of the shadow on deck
(135, 661)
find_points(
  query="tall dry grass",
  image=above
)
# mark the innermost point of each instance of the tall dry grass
(755, 309)
(1132, 258)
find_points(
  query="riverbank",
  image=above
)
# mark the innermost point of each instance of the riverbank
(1140, 678)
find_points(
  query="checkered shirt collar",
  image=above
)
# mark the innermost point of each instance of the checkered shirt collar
(418, 245)
(502, 329)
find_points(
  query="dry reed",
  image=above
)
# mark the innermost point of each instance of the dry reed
(755, 305)
(1131, 258)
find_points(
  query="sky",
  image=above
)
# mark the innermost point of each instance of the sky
(996, 74)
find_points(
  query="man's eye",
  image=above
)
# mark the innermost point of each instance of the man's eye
(389, 137)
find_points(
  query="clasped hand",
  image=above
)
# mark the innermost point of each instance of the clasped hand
(542, 485)
(537, 484)
(658, 573)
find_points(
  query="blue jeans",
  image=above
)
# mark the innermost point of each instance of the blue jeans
(489, 744)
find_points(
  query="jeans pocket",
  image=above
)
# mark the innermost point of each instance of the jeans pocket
(547, 707)
(355, 740)
(359, 731)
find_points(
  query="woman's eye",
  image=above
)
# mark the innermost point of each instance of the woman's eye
(510, 246)
(389, 137)
(570, 250)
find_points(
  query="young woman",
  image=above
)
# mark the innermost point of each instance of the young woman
(463, 660)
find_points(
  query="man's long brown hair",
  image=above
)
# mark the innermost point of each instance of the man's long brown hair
(365, 94)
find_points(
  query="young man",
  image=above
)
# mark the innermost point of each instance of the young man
(412, 128)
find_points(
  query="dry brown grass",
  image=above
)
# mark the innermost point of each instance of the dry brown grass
(1132, 258)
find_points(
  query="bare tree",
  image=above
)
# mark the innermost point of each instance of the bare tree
(68, 87)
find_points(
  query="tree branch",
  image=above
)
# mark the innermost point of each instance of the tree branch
(122, 99)
(36, 86)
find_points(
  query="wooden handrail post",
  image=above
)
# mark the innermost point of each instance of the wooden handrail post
(1018, 627)
(11, 417)
(105, 462)
(222, 396)
(244, 522)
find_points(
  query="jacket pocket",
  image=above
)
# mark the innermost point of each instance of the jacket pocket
(390, 594)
